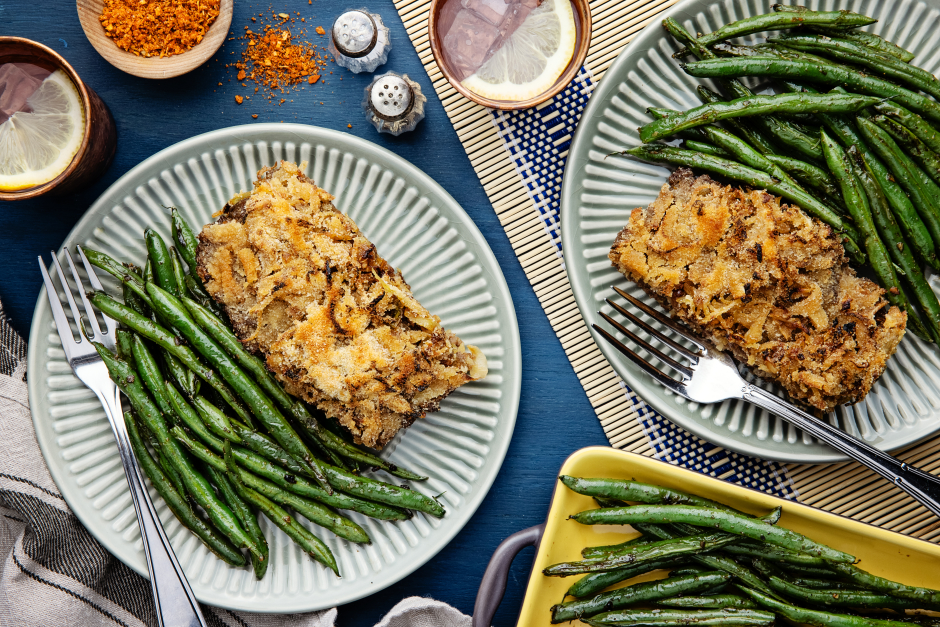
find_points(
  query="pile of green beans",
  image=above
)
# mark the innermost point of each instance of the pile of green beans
(838, 90)
(240, 445)
(721, 566)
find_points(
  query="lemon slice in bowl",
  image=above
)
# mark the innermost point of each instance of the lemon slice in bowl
(532, 58)
(38, 144)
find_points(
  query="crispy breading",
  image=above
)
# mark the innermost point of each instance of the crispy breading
(764, 281)
(336, 324)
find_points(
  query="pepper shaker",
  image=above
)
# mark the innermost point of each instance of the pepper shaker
(394, 103)
(359, 41)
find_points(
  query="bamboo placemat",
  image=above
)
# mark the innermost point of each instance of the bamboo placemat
(847, 489)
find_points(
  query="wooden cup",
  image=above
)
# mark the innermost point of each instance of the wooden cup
(100, 141)
(153, 67)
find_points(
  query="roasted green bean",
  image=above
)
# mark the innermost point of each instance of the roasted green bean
(869, 40)
(150, 373)
(716, 602)
(215, 419)
(753, 106)
(637, 593)
(262, 406)
(843, 50)
(156, 333)
(917, 200)
(184, 238)
(592, 583)
(176, 501)
(179, 275)
(928, 598)
(299, 485)
(894, 242)
(196, 485)
(677, 618)
(815, 617)
(654, 551)
(245, 514)
(928, 160)
(917, 125)
(786, 20)
(119, 271)
(803, 70)
(182, 376)
(627, 490)
(838, 598)
(728, 522)
(712, 561)
(810, 175)
(159, 256)
(311, 510)
(311, 544)
(596, 551)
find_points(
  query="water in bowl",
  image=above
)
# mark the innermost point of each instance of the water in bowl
(509, 50)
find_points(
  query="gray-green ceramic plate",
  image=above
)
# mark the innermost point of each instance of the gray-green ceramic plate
(419, 228)
(599, 193)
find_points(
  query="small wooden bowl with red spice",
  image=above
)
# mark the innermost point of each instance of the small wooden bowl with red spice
(155, 66)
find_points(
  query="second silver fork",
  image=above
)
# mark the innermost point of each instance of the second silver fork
(175, 602)
(706, 375)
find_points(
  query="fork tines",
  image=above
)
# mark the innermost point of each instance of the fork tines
(77, 347)
(684, 371)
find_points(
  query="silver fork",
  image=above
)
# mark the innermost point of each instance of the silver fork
(706, 375)
(175, 601)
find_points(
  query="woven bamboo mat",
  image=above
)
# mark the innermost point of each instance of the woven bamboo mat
(847, 489)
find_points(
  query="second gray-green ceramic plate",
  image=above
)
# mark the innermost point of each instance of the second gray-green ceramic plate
(599, 193)
(417, 227)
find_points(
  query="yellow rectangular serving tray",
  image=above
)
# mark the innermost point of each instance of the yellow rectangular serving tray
(885, 553)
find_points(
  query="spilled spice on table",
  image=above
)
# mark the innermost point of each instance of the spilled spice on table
(278, 57)
(158, 28)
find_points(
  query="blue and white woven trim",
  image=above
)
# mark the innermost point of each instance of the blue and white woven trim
(538, 140)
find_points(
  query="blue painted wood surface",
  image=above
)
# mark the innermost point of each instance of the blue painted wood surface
(555, 418)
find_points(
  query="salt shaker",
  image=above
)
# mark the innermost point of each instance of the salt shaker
(359, 41)
(394, 103)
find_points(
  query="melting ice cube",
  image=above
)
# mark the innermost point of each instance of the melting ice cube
(490, 10)
(468, 41)
(18, 81)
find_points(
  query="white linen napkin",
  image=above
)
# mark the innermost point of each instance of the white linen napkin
(54, 573)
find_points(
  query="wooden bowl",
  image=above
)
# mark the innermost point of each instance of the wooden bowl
(153, 67)
(582, 17)
(100, 141)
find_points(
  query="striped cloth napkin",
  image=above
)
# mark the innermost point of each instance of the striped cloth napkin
(54, 573)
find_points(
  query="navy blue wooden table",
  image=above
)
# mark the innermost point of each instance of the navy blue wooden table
(555, 418)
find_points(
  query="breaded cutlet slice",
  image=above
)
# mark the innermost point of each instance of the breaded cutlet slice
(764, 281)
(335, 323)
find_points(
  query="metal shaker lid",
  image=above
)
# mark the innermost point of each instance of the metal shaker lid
(393, 103)
(391, 97)
(354, 33)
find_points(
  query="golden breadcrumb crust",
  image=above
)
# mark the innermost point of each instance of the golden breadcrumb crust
(336, 324)
(765, 281)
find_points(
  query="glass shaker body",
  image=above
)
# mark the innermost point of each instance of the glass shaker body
(359, 41)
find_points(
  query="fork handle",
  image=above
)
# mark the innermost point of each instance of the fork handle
(176, 604)
(924, 487)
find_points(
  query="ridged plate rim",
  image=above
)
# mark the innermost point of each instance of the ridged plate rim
(572, 186)
(272, 133)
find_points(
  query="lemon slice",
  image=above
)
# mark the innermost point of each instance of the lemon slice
(533, 57)
(38, 145)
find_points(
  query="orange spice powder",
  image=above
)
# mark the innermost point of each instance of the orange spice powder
(158, 28)
(278, 58)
